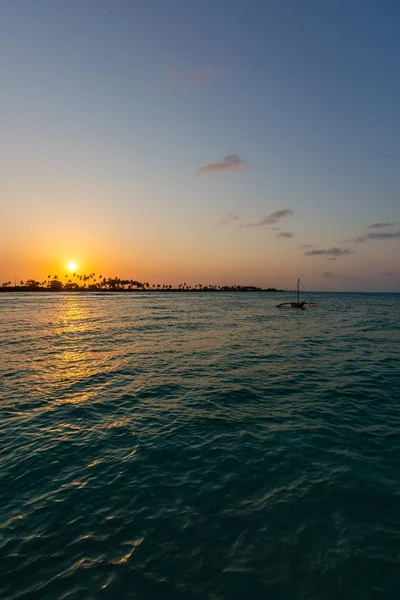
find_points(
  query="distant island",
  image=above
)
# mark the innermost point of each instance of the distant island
(91, 283)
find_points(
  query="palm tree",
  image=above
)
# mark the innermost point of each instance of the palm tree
(32, 283)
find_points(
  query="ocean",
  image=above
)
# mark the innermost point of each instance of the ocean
(199, 446)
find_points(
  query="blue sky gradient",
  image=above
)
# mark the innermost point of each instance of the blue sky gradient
(110, 108)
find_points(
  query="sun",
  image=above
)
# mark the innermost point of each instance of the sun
(72, 266)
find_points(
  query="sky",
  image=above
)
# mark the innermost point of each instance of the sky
(213, 142)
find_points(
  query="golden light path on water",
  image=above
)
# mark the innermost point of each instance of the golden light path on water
(172, 445)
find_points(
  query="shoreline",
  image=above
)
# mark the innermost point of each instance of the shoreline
(19, 290)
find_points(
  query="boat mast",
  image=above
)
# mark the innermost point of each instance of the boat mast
(298, 290)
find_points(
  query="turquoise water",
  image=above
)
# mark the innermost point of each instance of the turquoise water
(202, 446)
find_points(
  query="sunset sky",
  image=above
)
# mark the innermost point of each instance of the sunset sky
(212, 141)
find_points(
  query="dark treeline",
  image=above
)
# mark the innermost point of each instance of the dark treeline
(93, 283)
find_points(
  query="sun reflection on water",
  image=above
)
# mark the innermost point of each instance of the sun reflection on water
(73, 361)
(74, 315)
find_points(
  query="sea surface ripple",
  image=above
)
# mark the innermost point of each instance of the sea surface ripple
(199, 446)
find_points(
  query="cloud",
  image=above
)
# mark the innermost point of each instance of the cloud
(233, 216)
(386, 235)
(278, 215)
(285, 234)
(328, 274)
(389, 274)
(331, 258)
(306, 246)
(203, 76)
(272, 218)
(194, 78)
(329, 252)
(231, 162)
(380, 225)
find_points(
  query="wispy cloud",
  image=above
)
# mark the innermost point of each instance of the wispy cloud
(203, 76)
(329, 252)
(306, 246)
(388, 274)
(271, 219)
(328, 274)
(385, 235)
(233, 216)
(380, 225)
(285, 234)
(231, 162)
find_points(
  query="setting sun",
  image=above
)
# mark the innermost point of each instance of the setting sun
(72, 266)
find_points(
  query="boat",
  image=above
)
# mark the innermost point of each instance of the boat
(298, 304)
